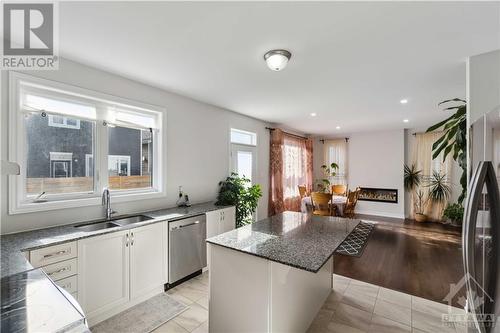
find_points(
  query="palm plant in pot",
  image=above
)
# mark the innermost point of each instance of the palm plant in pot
(412, 181)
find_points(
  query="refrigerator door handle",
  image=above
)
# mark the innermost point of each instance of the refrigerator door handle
(485, 174)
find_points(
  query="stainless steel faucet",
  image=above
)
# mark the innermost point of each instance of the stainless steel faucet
(106, 202)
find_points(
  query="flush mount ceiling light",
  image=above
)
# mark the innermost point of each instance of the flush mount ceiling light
(406, 121)
(277, 59)
(313, 114)
(338, 127)
(403, 101)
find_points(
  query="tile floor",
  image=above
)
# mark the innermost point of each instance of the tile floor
(193, 293)
(353, 306)
(356, 306)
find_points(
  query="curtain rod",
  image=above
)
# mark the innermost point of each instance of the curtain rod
(291, 134)
(323, 140)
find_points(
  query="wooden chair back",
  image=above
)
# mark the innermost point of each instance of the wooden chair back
(321, 203)
(352, 199)
(339, 189)
(302, 191)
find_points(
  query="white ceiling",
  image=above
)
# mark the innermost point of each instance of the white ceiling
(351, 63)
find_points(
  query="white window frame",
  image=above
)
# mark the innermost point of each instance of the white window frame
(64, 123)
(19, 202)
(252, 134)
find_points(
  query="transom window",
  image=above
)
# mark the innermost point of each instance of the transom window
(63, 138)
(243, 137)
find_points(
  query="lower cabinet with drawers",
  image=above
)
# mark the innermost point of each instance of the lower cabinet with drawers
(60, 263)
(111, 272)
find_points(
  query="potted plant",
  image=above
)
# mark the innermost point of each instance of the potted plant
(420, 203)
(238, 191)
(439, 189)
(454, 213)
(412, 181)
(324, 185)
(454, 139)
(412, 178)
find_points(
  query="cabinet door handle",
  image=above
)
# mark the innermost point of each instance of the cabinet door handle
(59, 271)
(67, 286)
(55, 254)
(126, 241)
(132, 242)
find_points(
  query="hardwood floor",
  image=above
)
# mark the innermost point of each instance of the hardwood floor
(421, 259)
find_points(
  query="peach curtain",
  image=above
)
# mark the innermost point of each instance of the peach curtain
(422, 158)
(291, 166)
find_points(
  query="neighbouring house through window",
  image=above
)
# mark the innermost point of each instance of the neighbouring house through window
(64, 122)
(68, 131)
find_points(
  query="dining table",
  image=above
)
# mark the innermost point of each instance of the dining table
(338, 201)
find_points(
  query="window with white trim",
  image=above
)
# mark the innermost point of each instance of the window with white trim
(72, 143)
(243, 137)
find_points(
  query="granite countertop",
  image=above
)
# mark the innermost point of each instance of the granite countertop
(13, 260)
(27, 293)
(299, 240)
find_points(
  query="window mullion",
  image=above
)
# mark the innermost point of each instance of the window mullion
(102, 156)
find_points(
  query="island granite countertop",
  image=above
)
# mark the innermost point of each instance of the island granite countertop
(13, 260)
(299, 240)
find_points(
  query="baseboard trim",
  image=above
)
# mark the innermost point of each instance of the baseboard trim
(381, 214)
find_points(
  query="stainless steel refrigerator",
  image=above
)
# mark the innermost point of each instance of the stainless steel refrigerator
(481, 233)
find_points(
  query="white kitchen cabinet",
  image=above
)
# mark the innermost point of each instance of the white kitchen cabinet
(120, 269)
(103, 279)
(220, 221)
(213, 221)
(228, 219)
(146, 259)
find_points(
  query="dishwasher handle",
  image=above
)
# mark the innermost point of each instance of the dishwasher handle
(187, 225)
(184, 223)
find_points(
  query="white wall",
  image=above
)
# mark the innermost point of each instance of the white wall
(375, 159)
(483, 83)
(197, 146)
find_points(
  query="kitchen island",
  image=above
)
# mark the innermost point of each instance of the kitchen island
(273, 275)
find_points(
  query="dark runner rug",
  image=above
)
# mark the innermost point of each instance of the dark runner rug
(355, 243)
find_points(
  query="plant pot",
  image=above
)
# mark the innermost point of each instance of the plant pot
(420, 217)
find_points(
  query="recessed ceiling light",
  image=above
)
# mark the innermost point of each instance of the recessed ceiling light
(313, 114)
(406, 121)
(403, 101)
(277, 59)
(338, 127)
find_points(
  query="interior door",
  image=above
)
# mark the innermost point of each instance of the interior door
(146, 259)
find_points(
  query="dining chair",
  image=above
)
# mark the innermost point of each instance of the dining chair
(352, 199)
(339, 189)
(302, 191)
(321, 204)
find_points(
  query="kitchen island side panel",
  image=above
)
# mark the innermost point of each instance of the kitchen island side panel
(252, 294)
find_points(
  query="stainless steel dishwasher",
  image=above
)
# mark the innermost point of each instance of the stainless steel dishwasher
(187, 252)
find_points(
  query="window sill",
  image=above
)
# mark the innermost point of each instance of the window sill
(116, 197)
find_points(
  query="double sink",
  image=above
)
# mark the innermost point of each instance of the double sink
(111, 223)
